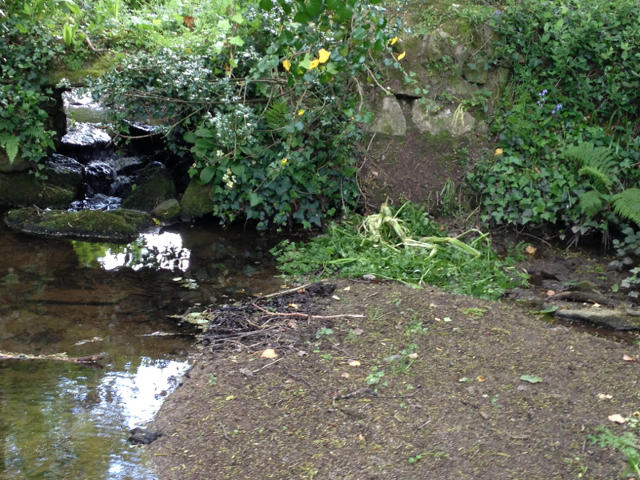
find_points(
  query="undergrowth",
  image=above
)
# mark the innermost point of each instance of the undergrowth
(424, 255)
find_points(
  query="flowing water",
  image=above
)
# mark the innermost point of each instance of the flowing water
(60, 420)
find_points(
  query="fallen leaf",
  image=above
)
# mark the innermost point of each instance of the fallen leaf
(480, 378)
(531, 250)
(269, 353)
(345, 375)
(335, 297)
(627, 358)
(346, 289)
(617, 418)
(189, 22)
(413, 356)
(530, 379)
(295, 306)
(550, 293)
(353, 363)
(604, 396)
(361, 437)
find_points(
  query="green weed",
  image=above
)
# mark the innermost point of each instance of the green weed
(346, 250)
(628, 443)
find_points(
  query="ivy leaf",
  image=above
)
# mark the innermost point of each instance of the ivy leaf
(237, 41)
(530, 379)
(266, 5)
(207, 174)
(254, 199)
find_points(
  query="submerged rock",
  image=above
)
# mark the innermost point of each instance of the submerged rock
(153, 185)
(23, 188)
(115, 225)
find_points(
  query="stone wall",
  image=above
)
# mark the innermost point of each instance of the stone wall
(431, 130)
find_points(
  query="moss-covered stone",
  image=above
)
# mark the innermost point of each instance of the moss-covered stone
(116, 225)
(22, 189)
(18, 164)
(154, 185)
(196, 200)
(77, 76)
(167, 210)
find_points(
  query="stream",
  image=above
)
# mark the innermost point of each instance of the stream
(59, 420)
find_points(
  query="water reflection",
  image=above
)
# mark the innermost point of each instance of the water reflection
(64, 421)
(159, 251)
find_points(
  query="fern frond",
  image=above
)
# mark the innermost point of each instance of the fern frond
(591, 203)
(599, 177)
(626, 204)
(597, 163)
(276, 115)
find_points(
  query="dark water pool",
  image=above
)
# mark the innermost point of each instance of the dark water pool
(59, 420)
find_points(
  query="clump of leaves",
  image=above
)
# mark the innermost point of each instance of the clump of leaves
(422, 254)
(555, 50)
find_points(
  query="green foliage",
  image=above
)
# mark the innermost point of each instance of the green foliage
(626, 204)
(345, 251)
(263, 97)
(27, 49)
(567, 122)
(628, 443)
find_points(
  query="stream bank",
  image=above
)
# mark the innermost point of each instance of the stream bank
(426, 385)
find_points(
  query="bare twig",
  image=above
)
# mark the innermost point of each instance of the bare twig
(284, 292)
(267, 365)
(306, 315)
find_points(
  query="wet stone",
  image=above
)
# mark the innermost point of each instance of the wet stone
(99, 176)
(64, 171)
(97, 202)
(85, 135)
(143, 436)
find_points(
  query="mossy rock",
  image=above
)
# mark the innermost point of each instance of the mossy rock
(18, 164)
(196, 200)
(22, 189)
(167, 210)
(154, 185)
(117, 225)
(78, 76)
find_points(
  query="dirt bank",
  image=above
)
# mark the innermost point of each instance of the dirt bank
(425, 385)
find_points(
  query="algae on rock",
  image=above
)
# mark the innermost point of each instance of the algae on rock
(115, 225)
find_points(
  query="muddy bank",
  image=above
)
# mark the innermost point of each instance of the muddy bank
(425, 385)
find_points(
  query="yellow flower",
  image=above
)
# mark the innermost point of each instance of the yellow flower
(283, 161)
(314, 63)
(498, 152)
(393, 41)
(287, 65)
(300, 112)
(323, 55)
(401, 56)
